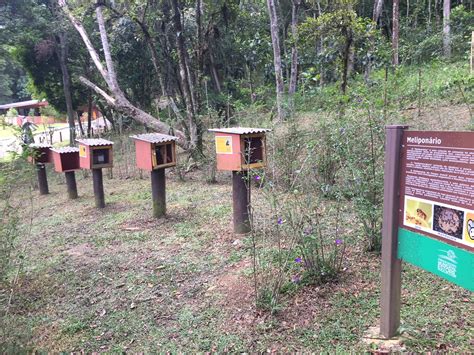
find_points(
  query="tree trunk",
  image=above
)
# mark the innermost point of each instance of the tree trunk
(80, 123)
(199, 52)
(192, 127)
(346, 59)
(276, 57)
(214, 74)
(446, 29)
(89, 113)
(378, 7)
(62, 56)
(395, 32)
(429, 14)
(294, 50)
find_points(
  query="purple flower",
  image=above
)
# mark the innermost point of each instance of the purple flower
(280, 221)
(308, 231)
(338, 241)
(257, 178)
(298, 260)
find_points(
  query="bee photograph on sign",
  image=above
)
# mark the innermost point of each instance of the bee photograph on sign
(448, 221)
(418, 213)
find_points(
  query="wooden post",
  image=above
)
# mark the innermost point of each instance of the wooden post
(391, 265)
(158, 192)
(71, 184)
(241, 201)
(42, 179)
(98, 188)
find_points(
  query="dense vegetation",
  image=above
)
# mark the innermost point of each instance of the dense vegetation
(179, 62)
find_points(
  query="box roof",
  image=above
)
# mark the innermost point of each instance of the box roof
(240, 130)
(65, 150)
(154, 137)
(94, 142)
(40, 145)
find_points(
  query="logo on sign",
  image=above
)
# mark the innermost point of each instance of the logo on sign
(470, 229)
(447, 263)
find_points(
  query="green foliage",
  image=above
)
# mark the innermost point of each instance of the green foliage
(12, 112)
(14, 181)
(421, 44)
(12, 78)
(319, 243)
(334, 35)
(50, 111)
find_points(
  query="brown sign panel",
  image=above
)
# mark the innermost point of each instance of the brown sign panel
(437, 185)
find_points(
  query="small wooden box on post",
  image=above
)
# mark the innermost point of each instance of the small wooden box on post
(41, 155)
(66, 160)
(239, 150)
(155, 152)
(95, 154)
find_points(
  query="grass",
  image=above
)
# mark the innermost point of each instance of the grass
(118, 280)
(7, 132)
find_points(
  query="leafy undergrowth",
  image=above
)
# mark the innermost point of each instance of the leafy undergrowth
(118, 280)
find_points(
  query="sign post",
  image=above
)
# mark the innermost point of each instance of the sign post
(428, 217)
(391, 265)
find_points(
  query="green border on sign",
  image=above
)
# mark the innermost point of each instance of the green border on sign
(449, 262)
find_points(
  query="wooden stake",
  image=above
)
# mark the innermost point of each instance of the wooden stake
(241, 201)
(42, 179)
(158, 192)
(71, 184)
(98, 188)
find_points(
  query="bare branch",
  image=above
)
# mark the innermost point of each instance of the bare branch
(98, 90)
(78, 25)
(106, 47)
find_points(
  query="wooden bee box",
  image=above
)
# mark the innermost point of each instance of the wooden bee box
(240, 149)
(95, 153)
(66, 159)
(155, 151)
(41, 153)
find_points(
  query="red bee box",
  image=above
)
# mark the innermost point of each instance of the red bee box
(95, 153)
(41, 153)
(66, 159)
(155, 151)
(240, 148)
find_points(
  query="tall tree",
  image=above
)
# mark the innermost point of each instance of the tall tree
(395, 31)
(62, 53)
(186, 79)
(274, 31)
(378, 6)
(295, 4)
(115, 97)
(446, 29)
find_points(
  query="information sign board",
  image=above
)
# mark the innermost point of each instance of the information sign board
(428, 217)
